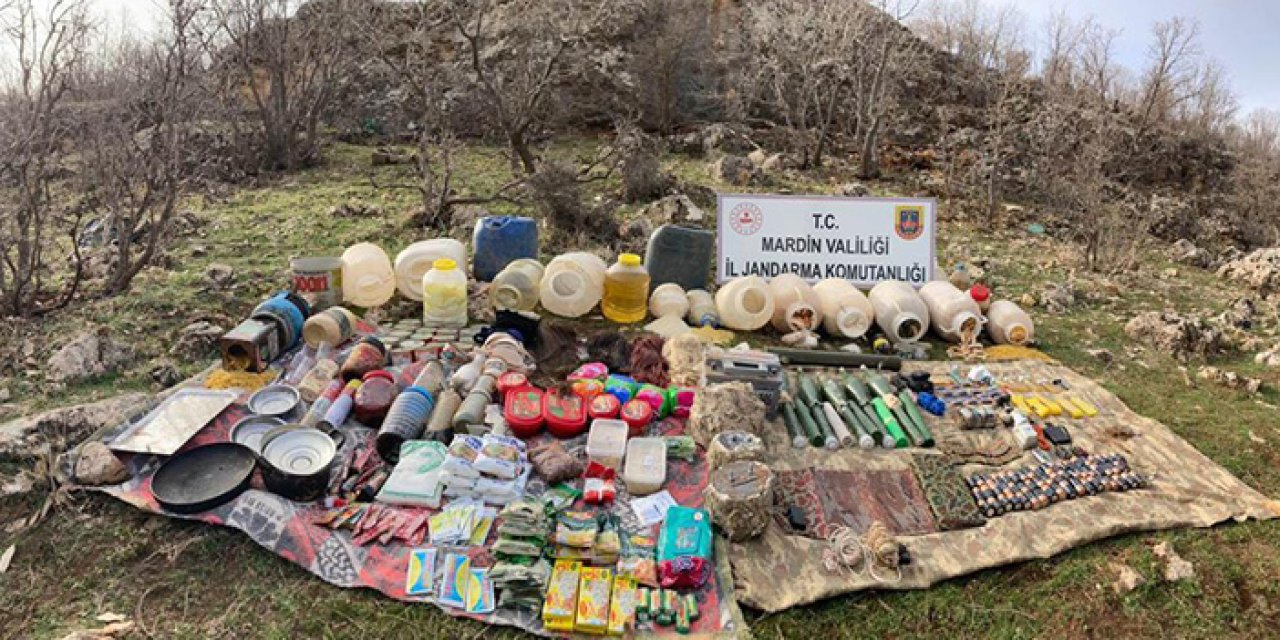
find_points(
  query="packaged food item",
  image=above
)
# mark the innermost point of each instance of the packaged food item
(500, 456)
(562, 496)
(453, 585)
(608, 541)
(590, 371)
(642, 604)
(684, 548)
(522, 409)
(622, 605)
(374, 398)
(369, 354)
(463, 451)
(565, 414)
(554, 464)
(637, 559)
(561, 605)
(479, 593)
(416, 479)
(680, 400)
(577, 529)
(607, 442)
(599, 490)
(646, 465)
(637, 414)
(620, 386)
(587, 389)
(420, 576)
(594, 589)
(682, 447)
(605, 405)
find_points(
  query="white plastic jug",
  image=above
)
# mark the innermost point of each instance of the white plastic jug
(745, 304)
(952, 312)
(416, 260)
(572, 284)
(900, 312)
(702, 308)
(367, 277)
(846, 311)
(444, 295)
(1009, 324)
(516, 287)
(668, 300)
(795, 306)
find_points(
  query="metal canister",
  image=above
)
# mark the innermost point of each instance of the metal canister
(297, 461)
(279, 400)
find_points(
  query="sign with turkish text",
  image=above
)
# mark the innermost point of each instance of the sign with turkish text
(862, 240)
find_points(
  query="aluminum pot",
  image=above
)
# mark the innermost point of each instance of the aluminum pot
(296, 461)
(278, 400)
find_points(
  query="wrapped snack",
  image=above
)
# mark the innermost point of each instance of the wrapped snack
(562, 496)
(461, 458)
(684, 548)
(453, 585)
(638, 559)
(599, 491)
(621, 387)
(500, 456)
(554, 464)
(576, 529)
(593, 600)
(682, 447)
(590, 371)
(587, 389)
(562, 596)
(681, 401)
(655, 397)
(608, 543)
(622, 606)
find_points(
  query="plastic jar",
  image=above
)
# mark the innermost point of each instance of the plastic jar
(516, 287)
(951, 311)
(374, 398)
(1009, 324)
(745, 304)
(444, 295)
(702, 309)
(900, 312)
(626, 290)
(668, 300)
(572, 284)
(317, 379)
(795, 306)
(367, 277)
(846, 311)
(368, 355)
(333, 326)
(416, 260)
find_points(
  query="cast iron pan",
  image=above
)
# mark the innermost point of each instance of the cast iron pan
(204, 477)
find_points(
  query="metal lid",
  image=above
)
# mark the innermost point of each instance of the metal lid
(274, 400)
(298, 450)
(250, 429)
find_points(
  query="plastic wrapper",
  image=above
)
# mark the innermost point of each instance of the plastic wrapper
(577, 529)
(554, 464)
(463, 451)
(590, 371)
(638, 559)
(593, 600)
(500, 456)
(682, 447)
(684, 548)
(562, 596)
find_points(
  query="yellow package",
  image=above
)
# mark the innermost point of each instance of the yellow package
(1020, 403)
(1038, 406)
(623, 605)
(1071, 407)
(593, 600)
(1085, 405)
(562, 596)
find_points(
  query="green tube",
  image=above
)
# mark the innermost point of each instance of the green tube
(857, 388)
(908, 426)
(828, 434)
(833, 393)
(890, 423)
(808, 391)
(851, 419)
(793, 426)
(866, 417)
(810, 427)
(916, 417)
(880, 384)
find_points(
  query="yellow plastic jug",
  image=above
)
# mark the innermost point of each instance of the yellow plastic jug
(626, 290)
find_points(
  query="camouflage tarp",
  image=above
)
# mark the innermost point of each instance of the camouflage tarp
(781, 570)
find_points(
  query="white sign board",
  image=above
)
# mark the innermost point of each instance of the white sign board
(863, 240)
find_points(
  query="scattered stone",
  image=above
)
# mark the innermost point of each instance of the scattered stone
(166, 375)
(1182, 337)
(355, 209)
(219, 275)
(1259, 270)
(1230, 380)
(1102, 355)
(5, 394)
(1269, 358)
(197, 341)
(1240, 314)
(757, 157)
(636, 230)
(854, 190)
(1255, 438)
(25, 437)
(1127, 579)
(1175, 567)
(388, 157)
(97, 466)
(773, 164)
(1028, 301)
(1058, 298)
(736, 170)
(1169, 274)
(1186, 252)
(673, 208)
(89, 355)
(19, 484)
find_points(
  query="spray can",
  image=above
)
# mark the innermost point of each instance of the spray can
(341, 407)
(322, 404)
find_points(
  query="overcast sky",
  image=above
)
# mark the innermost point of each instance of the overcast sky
(1243, 35)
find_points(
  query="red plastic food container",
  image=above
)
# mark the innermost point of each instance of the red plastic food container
(637, 414)
(511, 380)
(522, 409)
(566, 415)
(605, 405)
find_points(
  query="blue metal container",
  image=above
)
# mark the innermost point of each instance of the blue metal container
(500, 240)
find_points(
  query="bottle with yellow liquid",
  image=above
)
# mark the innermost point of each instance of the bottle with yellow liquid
(444, 295)
(626, 290)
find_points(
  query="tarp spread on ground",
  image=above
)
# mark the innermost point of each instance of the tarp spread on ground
(852, 488)
(286, 528)
(782, 569)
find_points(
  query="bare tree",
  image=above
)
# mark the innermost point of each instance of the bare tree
(517, 63)
(880, 67)
(282, 65)
(134, 143)
(49, 46)
(1170, 73)
(1096, 59)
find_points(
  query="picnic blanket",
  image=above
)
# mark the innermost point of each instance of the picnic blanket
(285, 528)
(783, 569)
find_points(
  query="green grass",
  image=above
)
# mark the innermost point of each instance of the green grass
(180, 579)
